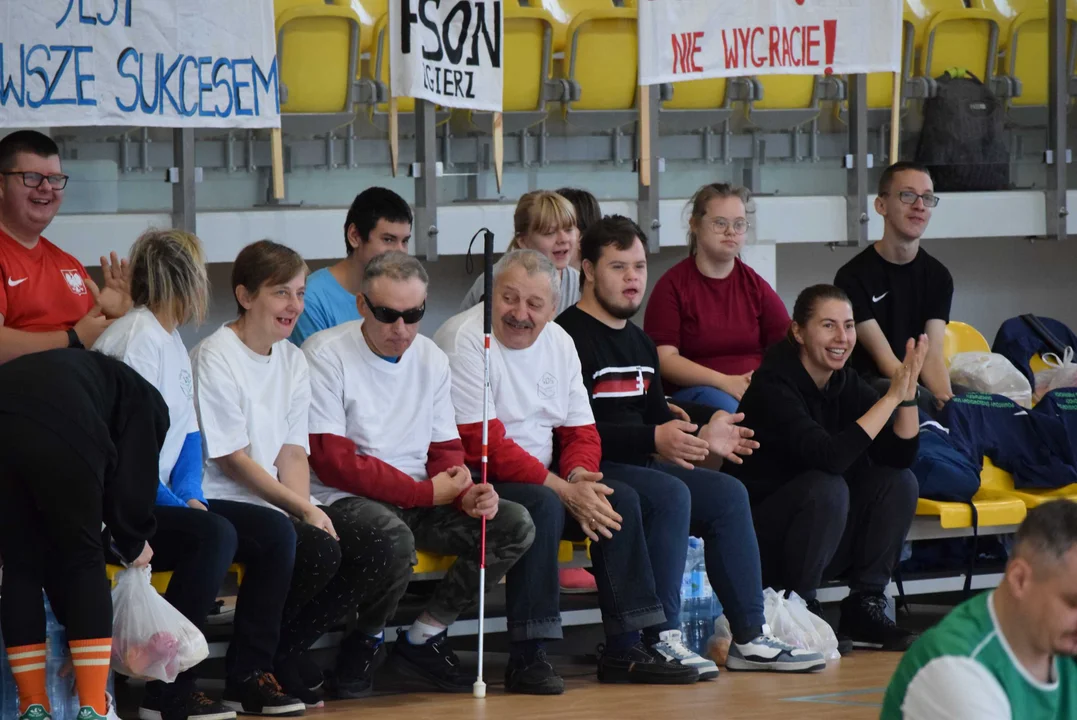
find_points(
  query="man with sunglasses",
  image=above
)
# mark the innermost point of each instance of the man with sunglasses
(47, 300)
(898, 290)
(385, 448)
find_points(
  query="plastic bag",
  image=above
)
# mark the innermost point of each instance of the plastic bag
(991, 373)
(718, 643)
(151, 640)
(1060, 373)
(791, 621)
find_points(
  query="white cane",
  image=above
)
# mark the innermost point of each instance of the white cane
(479, 689)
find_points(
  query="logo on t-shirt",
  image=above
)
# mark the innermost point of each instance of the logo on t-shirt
(618, 382)
(186, 385)
(547, 386)
(74, 281)
(877, 298)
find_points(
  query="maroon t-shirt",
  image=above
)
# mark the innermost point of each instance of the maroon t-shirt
(723, 324)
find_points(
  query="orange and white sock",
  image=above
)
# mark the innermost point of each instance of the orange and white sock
(91, 659)
(28, 666)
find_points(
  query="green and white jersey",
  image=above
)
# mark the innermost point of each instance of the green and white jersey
(964, 669)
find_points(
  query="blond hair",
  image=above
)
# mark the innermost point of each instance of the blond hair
(543, 212)
(168, 274)
(702, 199)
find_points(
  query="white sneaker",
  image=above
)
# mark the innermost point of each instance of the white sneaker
(769, 653)
(88, 713)
(671, 646)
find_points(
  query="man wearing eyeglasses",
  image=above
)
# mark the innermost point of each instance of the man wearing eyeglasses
(386, 450)
(47, 300)
(898, 290)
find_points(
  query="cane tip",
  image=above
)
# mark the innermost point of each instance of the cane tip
(479, 689)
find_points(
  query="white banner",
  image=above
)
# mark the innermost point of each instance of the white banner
(144, 63)
(447, 52)
(693, 39)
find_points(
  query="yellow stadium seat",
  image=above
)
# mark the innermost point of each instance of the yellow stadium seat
(1036, 364)
(603, 60)
(561, 14)
(318, 48)
(961, 337)
(1003, 482)
(160, 580)
(947, 34)
(528, 58)
(995, 504)
(381, 65)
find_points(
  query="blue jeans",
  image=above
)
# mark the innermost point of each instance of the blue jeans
(717, 510)
(706, 395)
(622, 570)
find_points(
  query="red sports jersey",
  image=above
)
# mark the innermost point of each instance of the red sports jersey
(41, 290)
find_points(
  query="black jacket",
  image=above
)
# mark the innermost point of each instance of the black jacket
(800, 427)
(110, 416)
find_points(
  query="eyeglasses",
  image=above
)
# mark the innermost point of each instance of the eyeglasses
(389, 315)
(909, 198)
(721, 225)
(34, 180)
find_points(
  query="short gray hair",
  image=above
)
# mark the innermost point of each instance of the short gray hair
(1049, 530)
(533, 262)
(394, 265)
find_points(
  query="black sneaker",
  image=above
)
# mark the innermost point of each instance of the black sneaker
(432, 663)
(845, 645)
(640, 665)
(864, 621)
(296, 675)
(261, 694)
(184, 706)
(535, 678)
(360, 657)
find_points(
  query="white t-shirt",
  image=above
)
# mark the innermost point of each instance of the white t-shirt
(392, 411)
(532, 391)
(139, 340)
(247, 401)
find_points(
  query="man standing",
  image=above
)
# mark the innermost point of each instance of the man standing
(378, 221)
(645, 446)
(898, 291)
(47, 300)
(1008, 653)
(386, 451)
(539, 403)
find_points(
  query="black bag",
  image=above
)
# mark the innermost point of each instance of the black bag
(963, 139)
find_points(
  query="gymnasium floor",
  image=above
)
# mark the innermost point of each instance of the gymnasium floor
(849, 689)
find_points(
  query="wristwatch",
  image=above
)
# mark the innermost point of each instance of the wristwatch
(73, 340)
(911, 403)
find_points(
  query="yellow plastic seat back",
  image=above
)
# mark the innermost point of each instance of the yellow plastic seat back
(381, 65)
(603, 58)
(961, 337)
(698, 94)
(786, 92)
(956, 36)
(561, 14)
(524, 49)
(314, 48)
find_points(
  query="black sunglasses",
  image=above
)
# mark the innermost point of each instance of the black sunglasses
(389, 315)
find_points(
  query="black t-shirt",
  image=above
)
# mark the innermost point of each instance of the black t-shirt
(621, 374)
(901, 298)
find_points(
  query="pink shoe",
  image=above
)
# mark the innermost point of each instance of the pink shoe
(577, 581)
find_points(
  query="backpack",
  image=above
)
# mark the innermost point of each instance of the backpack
(962, 141)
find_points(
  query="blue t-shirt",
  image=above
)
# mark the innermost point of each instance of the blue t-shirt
(328, 304)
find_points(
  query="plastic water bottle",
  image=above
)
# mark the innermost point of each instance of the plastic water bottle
(697, 618)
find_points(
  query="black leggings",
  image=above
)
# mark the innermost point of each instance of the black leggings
(331, 579)
(50, 537)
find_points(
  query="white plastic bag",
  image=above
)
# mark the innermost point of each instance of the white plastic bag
(1060, 373)
(991, 373)
(791, 621)
(151, 640)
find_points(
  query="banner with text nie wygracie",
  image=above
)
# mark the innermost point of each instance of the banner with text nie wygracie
(448, 52)
(144, 63)
(693, 39)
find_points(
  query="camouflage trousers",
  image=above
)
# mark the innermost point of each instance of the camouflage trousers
(446, 531)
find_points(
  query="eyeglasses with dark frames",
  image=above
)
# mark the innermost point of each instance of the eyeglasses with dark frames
(34, 179)
(909, 198)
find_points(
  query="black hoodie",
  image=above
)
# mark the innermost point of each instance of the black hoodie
(801, 427)
(109, 415)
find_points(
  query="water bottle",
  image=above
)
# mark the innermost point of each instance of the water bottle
(697, 620)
